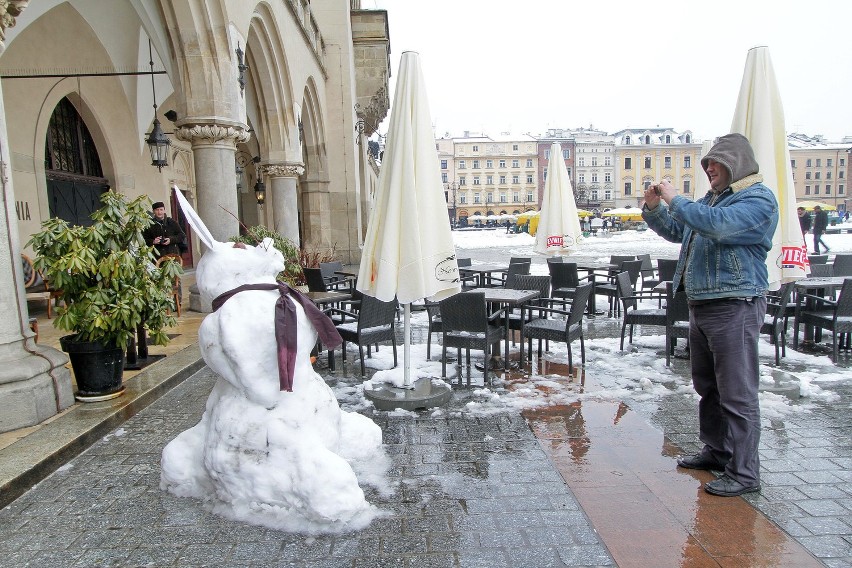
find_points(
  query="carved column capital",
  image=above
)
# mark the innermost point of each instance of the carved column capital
(283, 169)
(211, 133)
(9, 10)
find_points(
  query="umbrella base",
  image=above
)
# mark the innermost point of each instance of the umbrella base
(423, 395)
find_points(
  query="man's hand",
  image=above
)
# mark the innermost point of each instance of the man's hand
(652, 198)
(666, 191)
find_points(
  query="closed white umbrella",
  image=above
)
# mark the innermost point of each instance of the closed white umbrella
(702, 182)
(759, 116)
(408, 250)
(558, 225)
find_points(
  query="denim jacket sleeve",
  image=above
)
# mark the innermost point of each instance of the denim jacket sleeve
(741, 218)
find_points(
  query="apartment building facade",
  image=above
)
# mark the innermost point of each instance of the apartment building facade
(594, 169)
(565, 138)
(820, 170)
(646, 156)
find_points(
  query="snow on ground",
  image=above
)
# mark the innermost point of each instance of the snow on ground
(638, 373)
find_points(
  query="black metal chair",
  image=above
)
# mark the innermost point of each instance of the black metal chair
(677, 319)
(775, 320)
(565, 327)
(833, 315)
(373, 323)
(467, 325)
(633, 315)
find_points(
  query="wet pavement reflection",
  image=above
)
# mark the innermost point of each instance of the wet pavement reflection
(648, 512)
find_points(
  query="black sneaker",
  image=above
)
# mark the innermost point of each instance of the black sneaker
(700, 461)
(728, 487)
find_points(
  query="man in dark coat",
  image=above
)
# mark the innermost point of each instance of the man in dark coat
(804, 220)
(820, 224)
(164, 234)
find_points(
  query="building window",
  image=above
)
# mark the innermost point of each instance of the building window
(816, 190)
(807, 190)
(444, 177)
(516, 197)
(793, 164)
(842, 162)
(647, 162)
(475, 180)
(840, 174)
(516, 164)
(581, 162)
(475, 148)
(489, 197)
(647, 139)
(627, 139)
(668, 139)
(502, 180)
(514, 147)
(582, 178)
(686, 186)
(461, 164)
(489, 180)
(607, 161)
(529, 178)
(667, 162)
(462, 180)
(476, 164)
(817, 175)
(530, 198)
(687, 161)
(547, 154)
(828, 174)
(819, 162)
(647, 184)
(595, 195)
(628, 163)
(569, 172)
(476, 198)
(516, 179)
(544, 173)
(828, 189)
(628, 188)
(807, 175)
(829, 162)
(566, 154)
(529, 162)
(503, 198)
(594, 161)
(462, 198)
(607, 194)
(808, 163)
(502, 163)
(489, 163)
(594, 177)
(443, 164)
(840, 190)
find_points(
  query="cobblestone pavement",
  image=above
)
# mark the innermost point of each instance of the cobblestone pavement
(471, 492)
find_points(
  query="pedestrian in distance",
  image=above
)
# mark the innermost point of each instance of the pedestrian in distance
(804, 220)
(820, 225)
(164, 234)
(725, 237)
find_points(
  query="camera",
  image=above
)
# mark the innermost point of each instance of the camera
(656, 189)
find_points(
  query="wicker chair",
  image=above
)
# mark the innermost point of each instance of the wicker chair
(436, 324)
(636, 316)
(469, 280)
(822, 271)
(373, 323)
(565, 329)
(467, 325)
(677, 319)
(565, 279)
(336, 281)
(633, 268)
(649, 275)
(775, 320)
(834, 315)
(177, 287)
(520, 266)
(666, 269)
(36, 287)
(527, 282)
(842, 265)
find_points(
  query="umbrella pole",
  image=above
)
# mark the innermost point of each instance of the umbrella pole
(406, 352)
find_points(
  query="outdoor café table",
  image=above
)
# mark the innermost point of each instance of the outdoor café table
(322, 298)
(816, 286)
(511, 298)
(484, 271)
(590, 267)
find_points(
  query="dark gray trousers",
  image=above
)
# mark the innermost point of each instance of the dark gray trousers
(723, 338)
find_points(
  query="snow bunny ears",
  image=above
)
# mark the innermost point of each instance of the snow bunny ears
(227, 265)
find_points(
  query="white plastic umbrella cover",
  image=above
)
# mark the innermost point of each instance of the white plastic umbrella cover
(558, 225)
(759, 116)
(408, 249)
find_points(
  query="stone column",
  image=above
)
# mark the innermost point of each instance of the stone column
(34, 382)
(213, 151)
(281, 180)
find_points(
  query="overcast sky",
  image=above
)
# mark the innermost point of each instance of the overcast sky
(525, 66)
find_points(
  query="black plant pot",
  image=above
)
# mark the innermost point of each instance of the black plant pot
(97, 369)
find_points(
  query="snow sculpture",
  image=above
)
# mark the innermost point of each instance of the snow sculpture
(261, 454)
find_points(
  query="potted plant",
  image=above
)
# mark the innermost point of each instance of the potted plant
(110, 287)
